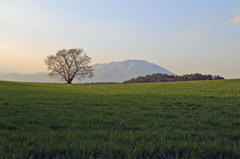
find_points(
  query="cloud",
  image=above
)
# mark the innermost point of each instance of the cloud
(212, 18)
(235, 20)
(190, 34)
(208, 28)
(237, 9)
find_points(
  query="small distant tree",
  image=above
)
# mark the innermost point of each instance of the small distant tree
(68, 64)
(216, 77)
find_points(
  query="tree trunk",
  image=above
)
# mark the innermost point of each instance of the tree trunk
(69, 81)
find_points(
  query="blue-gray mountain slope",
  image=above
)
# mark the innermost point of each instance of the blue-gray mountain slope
(124, 70)
(107, 72)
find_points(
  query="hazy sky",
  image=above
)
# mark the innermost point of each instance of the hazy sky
(183, 36)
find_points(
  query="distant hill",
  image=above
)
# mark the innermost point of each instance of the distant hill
(35, 77)
(106, 72)
(124, 70)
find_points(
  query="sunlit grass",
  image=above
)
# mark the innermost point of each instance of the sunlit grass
(198, 119)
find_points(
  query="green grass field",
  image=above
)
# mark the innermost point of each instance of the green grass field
(197, 119)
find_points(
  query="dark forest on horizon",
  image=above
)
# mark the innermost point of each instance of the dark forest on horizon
(159, 77)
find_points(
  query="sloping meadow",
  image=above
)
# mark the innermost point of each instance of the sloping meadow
(197, 119)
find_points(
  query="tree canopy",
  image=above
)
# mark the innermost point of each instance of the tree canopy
(159, 77)
(68, 64)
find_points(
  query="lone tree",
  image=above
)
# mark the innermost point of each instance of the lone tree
(68, 64)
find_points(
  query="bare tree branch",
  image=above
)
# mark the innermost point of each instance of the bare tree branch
(68, 64)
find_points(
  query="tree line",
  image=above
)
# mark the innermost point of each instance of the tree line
(159, 77)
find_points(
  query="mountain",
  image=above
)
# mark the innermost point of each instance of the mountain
(35, 77)
(106, 72)
(124, 70)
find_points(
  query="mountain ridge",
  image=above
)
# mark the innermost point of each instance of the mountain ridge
(117, 71)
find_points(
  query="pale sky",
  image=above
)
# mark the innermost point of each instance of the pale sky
(183, 37)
